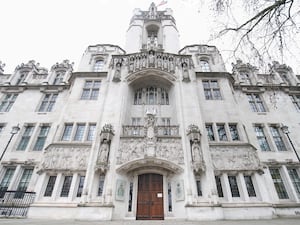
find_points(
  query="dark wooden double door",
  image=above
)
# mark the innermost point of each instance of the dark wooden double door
(150, 197)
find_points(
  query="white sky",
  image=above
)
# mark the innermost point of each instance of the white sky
(49, 31)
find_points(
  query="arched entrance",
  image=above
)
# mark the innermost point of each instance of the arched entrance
(150, 203)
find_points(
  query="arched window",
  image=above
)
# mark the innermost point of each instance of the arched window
(204, 65)
(98, 66)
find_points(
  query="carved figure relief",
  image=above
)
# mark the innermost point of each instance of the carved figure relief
(235, 158)
(134, 148)
(65, 158)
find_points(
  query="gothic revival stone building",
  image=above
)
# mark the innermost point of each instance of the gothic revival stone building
(151, 131)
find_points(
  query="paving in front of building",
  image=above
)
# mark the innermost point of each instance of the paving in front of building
(282, 221)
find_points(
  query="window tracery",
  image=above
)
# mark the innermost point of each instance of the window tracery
(151, 95)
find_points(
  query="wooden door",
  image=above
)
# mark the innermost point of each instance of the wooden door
(150, 197)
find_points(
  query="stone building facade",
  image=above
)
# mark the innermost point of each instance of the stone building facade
(152, 132)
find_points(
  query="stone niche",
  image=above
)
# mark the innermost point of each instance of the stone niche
(65, 157)
(235, 158)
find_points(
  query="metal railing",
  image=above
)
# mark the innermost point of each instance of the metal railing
(15, 203)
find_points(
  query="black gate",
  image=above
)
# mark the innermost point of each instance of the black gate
(15, 203)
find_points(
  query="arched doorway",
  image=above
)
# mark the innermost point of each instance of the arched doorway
(150, 197)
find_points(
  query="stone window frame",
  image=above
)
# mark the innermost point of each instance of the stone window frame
(211, 91)
(41, 135)
(22, 76)
(91, 90)
(280, 186)
(99, 64)
(215, 133)
(6, 179)
(59, 77)
(70, 135)
(66, 185)
(160, 94)
(51, 181)
(295, 98)
(47, 104)
(256, 102)
(7, 101)
(204, 65)
(250, 186)
(25, 138)
(262, 137)
(79, 189)
(278, 138)
(24, 182)
(295, 179)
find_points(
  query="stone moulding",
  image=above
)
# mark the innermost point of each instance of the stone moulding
(235, 158)
(149, 163)
(65, 157)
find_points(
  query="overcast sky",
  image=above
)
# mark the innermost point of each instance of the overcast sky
(49, 31)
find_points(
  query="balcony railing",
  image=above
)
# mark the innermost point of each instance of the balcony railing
(140, 131)
(15, 203)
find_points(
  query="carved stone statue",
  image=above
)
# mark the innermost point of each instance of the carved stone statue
(103, 152)
(117, 76)
(185, 72)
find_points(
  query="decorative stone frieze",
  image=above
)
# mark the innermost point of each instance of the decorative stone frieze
(235, 158)
(169, 149)
(70, 157)
(151, 59)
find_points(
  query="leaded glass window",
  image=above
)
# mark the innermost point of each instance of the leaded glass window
(262, 140)
(50, 186)
(233, 186)
(41, 139)
(277, 138)
(249, 186)
(7, 102)
(256, 103)
(48, 103)
(66, 186)
(278, 183)
(27, 133)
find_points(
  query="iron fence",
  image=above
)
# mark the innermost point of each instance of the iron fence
(15, 203)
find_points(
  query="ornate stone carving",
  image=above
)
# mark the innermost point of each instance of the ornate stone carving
(64, 65)
(185, 72)
(106, 135)
(235, 158)
(65, 157)
(198, 164)
(135, 148)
